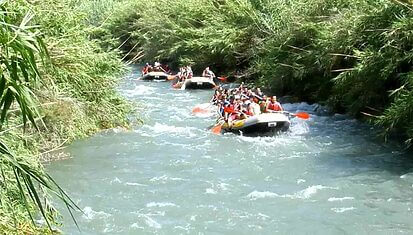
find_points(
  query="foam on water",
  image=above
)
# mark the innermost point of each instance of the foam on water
(140, 90)
(210, 191)
(116, 180)
(343, 209)
(160, 128)
(308, 192)
(334, 199)
(161, 204)
(299, 127)
(165, 179)
(151, 222)
(257, 195)
(90, 214)
(303, 194)
(135, 184)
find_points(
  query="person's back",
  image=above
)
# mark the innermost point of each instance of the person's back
(208, 73)
(150, 69)
(165, 68)
(263, 105)
(145, 70)
(256, 109)
(157, 67)
(189, 73)
(205, 72)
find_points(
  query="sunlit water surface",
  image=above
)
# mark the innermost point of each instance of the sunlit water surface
(327, 175)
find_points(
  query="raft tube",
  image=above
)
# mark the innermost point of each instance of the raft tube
(198, 83)
(262, 123)
(161, 76)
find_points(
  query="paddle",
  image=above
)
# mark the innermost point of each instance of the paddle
(222, 79)
(198, 110)
(217, 129)
(202, 108)
(302, 115)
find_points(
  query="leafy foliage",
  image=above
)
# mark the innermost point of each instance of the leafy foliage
(60, 83)
(19, 72)
(355, 55)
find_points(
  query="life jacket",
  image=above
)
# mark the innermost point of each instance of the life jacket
(237, 107)
(229, 109)
(274, 106)
(145, 70)
(249, 113)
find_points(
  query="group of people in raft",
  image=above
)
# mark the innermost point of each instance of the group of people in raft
(233, 104)
(157, 67)
(243, 102)
(184, 73)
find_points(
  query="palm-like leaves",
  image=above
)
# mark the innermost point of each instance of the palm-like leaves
(20, 47)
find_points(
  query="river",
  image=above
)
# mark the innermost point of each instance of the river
(327, 175)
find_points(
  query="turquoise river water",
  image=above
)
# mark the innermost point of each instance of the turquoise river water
(327, 175)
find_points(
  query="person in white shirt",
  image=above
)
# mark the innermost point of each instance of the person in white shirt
(208, 73)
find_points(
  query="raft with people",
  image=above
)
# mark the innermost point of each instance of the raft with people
(186, 80)
(157, 72)
(244, 110)
(261, 123)
(155, 76)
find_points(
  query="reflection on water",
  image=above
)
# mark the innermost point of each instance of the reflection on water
(327, 175)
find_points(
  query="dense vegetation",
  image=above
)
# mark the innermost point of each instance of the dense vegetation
(56, 85)
(355, 55)
(59, 62)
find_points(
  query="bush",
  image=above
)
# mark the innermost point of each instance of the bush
(354, 55)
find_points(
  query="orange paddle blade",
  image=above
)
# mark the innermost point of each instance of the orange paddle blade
(216, 129)
(302, 115)
(224, 79)
(177, 86)
(199, 110)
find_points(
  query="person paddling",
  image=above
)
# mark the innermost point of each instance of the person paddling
(208, 73)
(255, 106)
(146, 69)
(189, 73)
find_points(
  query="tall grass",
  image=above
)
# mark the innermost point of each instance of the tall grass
(20, 45)
(60, 83)
(354, 55)
(198, 32)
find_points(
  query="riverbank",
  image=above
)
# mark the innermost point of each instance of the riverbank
(72, 96)
(354, 56)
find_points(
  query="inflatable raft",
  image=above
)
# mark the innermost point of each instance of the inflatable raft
(262, 123)
(155, 76)
(198, 83)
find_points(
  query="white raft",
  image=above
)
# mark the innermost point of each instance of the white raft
(155, 76)
(262, 123)
(198, 83)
